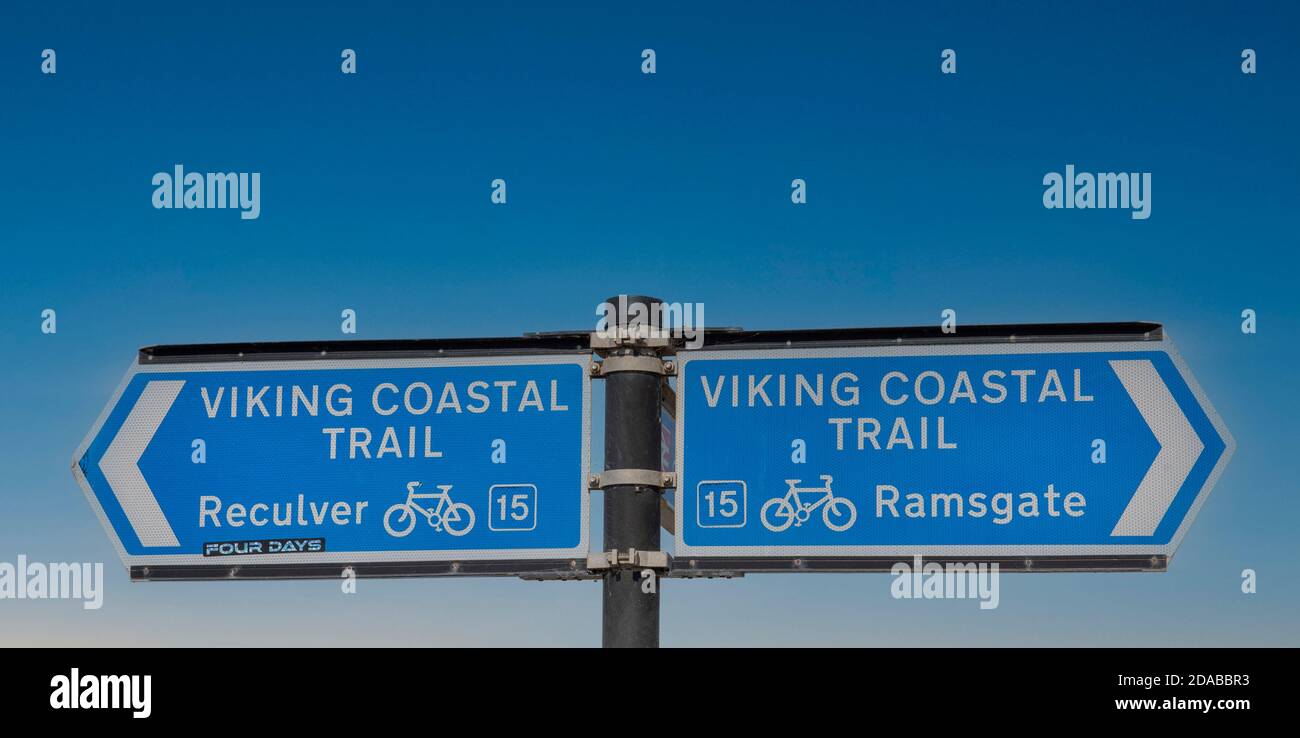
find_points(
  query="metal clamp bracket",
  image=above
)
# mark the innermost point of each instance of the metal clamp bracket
(638, 477)
(646, 364)
(628, 338)
(629, 559)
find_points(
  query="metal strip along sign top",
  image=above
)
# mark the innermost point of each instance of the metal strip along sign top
(974, 450)
(344, 460)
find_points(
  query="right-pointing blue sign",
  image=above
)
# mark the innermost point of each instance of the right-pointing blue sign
(1066, 449)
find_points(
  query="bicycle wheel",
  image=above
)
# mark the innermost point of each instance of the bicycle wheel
(459, 519)
(839, 514)
(405, 522)
(777, 514)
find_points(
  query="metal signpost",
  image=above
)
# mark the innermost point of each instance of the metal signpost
(1062, 447)
(632, 482)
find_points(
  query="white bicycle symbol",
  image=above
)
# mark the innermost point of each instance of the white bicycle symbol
(456, 518)
(779, 513)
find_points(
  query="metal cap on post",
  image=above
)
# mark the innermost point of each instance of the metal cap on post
(630, 613)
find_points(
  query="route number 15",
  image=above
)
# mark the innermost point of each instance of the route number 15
(512, 507)
(720, 504)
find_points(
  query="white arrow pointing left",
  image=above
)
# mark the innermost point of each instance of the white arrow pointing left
(121, 463)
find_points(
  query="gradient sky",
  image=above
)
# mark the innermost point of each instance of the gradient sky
(924, 193)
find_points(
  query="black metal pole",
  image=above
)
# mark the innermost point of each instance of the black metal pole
(630, 616)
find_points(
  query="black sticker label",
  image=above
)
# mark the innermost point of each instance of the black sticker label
(269, 546)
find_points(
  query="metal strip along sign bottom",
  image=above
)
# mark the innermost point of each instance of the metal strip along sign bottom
(1064, 449)
(354, 460)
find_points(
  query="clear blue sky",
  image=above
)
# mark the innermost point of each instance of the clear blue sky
(924, 193)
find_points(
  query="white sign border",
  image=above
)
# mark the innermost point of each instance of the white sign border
(583, 361)
(1165, 345)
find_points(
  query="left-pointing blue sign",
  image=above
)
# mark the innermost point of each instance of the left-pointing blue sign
(348, 460)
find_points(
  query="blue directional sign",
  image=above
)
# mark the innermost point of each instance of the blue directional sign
(1071, 449)
(348, 460)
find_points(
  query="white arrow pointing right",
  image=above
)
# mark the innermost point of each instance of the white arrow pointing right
(121, 463)
(1180, 447)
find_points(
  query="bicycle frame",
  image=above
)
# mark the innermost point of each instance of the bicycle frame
(793, 493)
(442, 496)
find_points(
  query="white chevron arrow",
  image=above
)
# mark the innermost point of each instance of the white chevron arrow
(1180, 447)
(121, 463)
